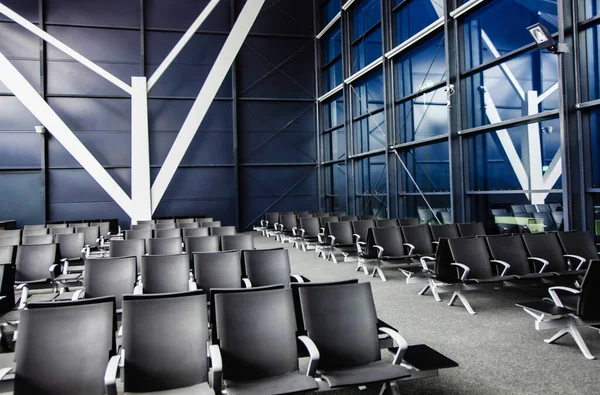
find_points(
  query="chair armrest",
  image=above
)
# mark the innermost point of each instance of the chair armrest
(314, 354)
(322, 231)
(138, 290)
(192, 286)
(302, 232)
(77, 294)
(357, 237)
(24, 295)
(435, 242)
(465, 269)
(402, 344)
(297, 277)
(217, 367)
(424, 260)
(359, 245)
(554, 295)
(499, 262)
(320, 237)
(542, 261)
(294, 231)
(582, 260)
(110, 375)
(411, 248)
(332, 239)
(247, 283)
(4, 372)
(380, 250)
(52, 270)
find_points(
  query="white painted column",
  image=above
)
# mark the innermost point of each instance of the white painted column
(140, 152)
(531, 150)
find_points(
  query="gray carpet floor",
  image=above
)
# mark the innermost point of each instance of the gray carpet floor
(498, 349)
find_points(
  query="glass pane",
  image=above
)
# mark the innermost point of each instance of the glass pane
(334, 145)
(371, 186)
(415, 207)
(429, 166)
(512, 89)
(423, 117)
(421, 68)
(367, 94)
(336, 203)
(369, 133)
(332, 44)
(333, 112)
(487, 33)
(592, 8)
(328, 11)
(332, 76)
(335, 179)
(595, 143)
(367, 50)
(364, 16)
(593, 63)
(414, 16)
(499, 160)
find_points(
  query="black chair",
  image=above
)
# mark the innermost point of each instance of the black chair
(138, 235)
(12, 240)
(167, 233)
(471, 229)
(167, 246)
(217, 270)
(222, 230)
(324, 220)
(11, 233)
(258, 356)
(33, 231)
(367, 217)
(568, 312)
(342, 321)
(70, 246)
(391, 248)
(36, 265)
(165, 274)
(91, 235)
(194, 232)
(53, 225)
(337, 213)
(37, 226)
(143, 226)
(202, 244)
(578, 245)
(408, 221)
(287, 226)
(518, 208)
(237, 242)
(269, 267)
(124, 248)
(40, 239)
(312, 236)
(8, 254)
(511, 250)
(360, 229)
(59, 338)
(441, 272)
(104, 228)
(342, 240)
(109, 276)
(213, 224)
(545, 249)
(348, 218)
(205, 219)
(420, 243)
(184, 220)
(271, 219)
(61, 231)
(146, 221)
(163, 358)
(188, 225)
(386, 223)
(164, 220)
(163, 226)
(445, 230)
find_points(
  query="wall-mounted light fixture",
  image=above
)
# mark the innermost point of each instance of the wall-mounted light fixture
(544, 40)
(40, 129)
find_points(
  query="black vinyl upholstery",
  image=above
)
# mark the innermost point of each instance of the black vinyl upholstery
(237, 242)
(12, 240)
(386, 223)
(166, 246)
(194, 232)
(588, 307)
(420, 237)
(70, 245)
(546, 246)
(578, 243)
(222, 230)
(57, 231)
(511, 250)
(33, 262)
(121, 248)
(202, 244)
(167, 233)
(37, 239)
(110, 276)
(390, 238)
(348, 218)
(165, 273)
(217, 270)
(408, 221)
(267, 267)
(311, 226)
(165, 341)
(342, 231)
(362, 227)
(324, 220)
(473, 252)
(34, 231)
(90, 234)
(64, 347)
(471, 229)
(446, 230)
(8, 254)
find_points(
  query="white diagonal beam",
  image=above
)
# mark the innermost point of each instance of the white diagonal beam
(547, 93)
(140, 151)
(554, 171)
(181, 43)
(31, 99)
(505, 69)
(209, 90)
(509, 148)
(63, 47)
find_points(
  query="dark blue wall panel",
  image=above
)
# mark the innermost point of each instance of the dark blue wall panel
(20, 149)
(180, 14)
(22, 197)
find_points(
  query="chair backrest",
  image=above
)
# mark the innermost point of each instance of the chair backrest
(446, 230)
(304, 214)
(588, 307)
(73, 224)
(122, 248)
(237, 242)
(164, 225)
(61, 231)
(156, 357)
(90, 234)
(7, 281)
(320, 214)
(212, 224)
(184, 220)
(390, 239)
(11, 240)
(530, 208)
(337, 213)
(202, 244)
(165, 273)
(70, 245)
(499, 212)
(517, 208)
(267, 267)
(472, 252)
(548, 221)
(164, 221)
(138, 235)
(64, 347)
(445, 217)
(543, 208)
(50, 226)
(362, 227)
(194, 232)
(342, 231)
(37, 226)
(348, 218)
(165, 246)
(444, 271)
(110, 276)
(272, 218)
(386, 223)
(425, 215)
(408, 221)
(471, 229)
(8, 254)
(511, 250)
(217, 270)
(420, 237)
(34, 231)
(104, 227)
(39, 239)
(311, 226)
(187, 225)
(342, 321)
(325, 220)
(221, 230)
(367, 217)
(578, 243)
(546, 246)
(146, 221)
(11, 233)
(143, 226)
(167, 233)
(205, 219)
(252, 346)
(289, 221)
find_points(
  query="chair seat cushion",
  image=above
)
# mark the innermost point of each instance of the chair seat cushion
(490, 280)
(198, 389)
(289, 383)
(68, 277)
(41, 297)
(371, 373)
(11, 316)
(535, 275)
